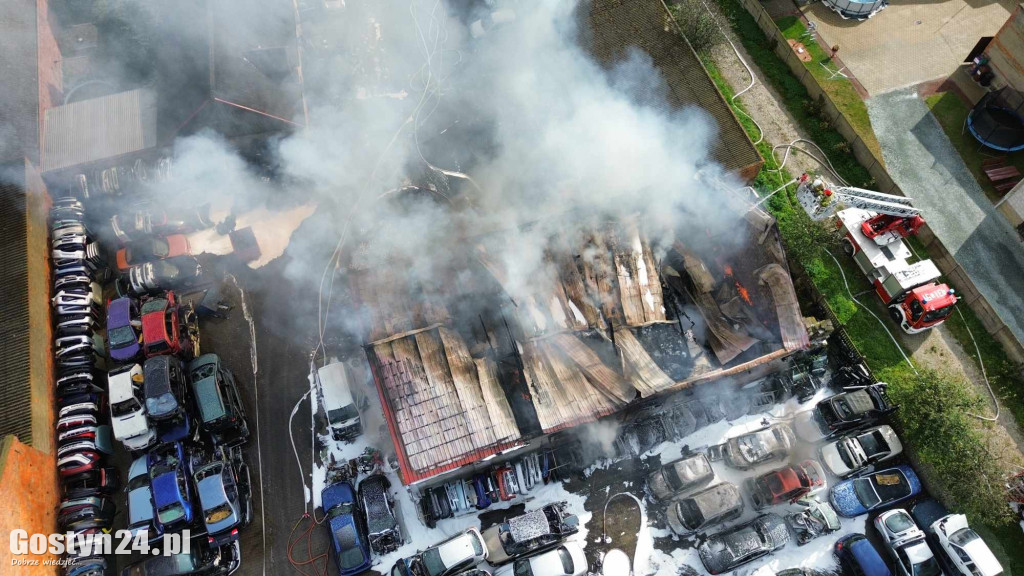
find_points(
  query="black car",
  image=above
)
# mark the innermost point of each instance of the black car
(844, 412)
(180, 272)
(220, 411)
(529, 533)
(198, 561)
(385, 535)
(98, 482)
(435, 505)
(164, 389)
(736, 546)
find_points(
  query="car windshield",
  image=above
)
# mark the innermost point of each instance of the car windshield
(866, 492)
(343, 509)
(522, 568)
(963, 536)
(171, 513)
(154, 305)
(218, 514)
(927, 568)
(125, 408)
(162, 404)
(897, 523)
(121, 336)
(351, 555)
(938, 314)
(891, 486)
(432, 562)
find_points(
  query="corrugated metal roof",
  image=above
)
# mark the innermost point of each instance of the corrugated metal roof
(99, 128)
(19, 91)
(15, 387)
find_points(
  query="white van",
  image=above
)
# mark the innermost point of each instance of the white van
(127, 413)
(336, 397)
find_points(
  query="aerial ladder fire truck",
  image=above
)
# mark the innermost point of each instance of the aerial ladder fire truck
(873, 226)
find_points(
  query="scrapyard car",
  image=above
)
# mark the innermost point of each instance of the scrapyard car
(348, 537)
(960, 547)
(151, 249)
(78, 463)
(172, 492)
(734, 547)
(142, 222)
(565, 560)
(198, 561)
(680, 477)
(84, 513)
(127, 413)
(381, 525)
(164, 388)
(858, 496)
(816, 519)
(529, 533)
(224, 495)
(122, 339)
(162, 324)
(462, 551)
(763, 446)
(844, 411)
(714, 505)
(854, 452)
(178, 273)
(140, 501)
(220, 407)
(857, 556)
(906, 545)
(786, 484)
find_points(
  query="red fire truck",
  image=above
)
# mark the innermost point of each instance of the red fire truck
(873, 229)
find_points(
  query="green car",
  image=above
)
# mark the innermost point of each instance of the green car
(221, 415)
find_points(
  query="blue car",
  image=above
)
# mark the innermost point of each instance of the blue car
(140, 501)
(348, 535)
(874, 491)
(857, 556)
(172, 493)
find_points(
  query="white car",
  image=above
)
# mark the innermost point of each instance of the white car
(566, 560)
(450, 557)
(853, 452)
(905, 543)
(127, 413)
(967, 551)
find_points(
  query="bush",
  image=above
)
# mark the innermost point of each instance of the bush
(933, 419)
(697, 24)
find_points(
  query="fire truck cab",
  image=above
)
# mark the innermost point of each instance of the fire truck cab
(914, 299)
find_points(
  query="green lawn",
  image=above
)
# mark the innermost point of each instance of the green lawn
(839, 89)
(948, 445)
(951, 112)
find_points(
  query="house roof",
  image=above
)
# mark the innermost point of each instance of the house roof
(99, 128)
(19, 91)
(615, 27)
(15, 381)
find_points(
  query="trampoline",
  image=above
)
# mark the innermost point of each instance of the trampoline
(997, 121)
(855, 9)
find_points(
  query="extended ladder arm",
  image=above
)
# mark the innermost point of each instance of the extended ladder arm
(888, 204)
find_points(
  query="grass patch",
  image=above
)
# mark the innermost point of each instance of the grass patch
(949, 446)
(839, 89)
(951, 112)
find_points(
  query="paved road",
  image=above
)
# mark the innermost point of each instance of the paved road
(926, 166)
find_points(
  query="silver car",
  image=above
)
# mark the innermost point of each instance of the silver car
(905, 543)
(680, 477)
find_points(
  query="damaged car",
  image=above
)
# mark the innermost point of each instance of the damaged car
(127, 413)
(122, 337)
(854, 452)
(680, 477)
(736, 546)
(844, 412)
(786, 484)
(529, 533)
(450, 557)
(142, 222)
(771, 444)
(152, 249)
(816, 519)
(183, 272)
(224, 497)
(858, 496)
(719, 503)
(565, 560)
(379, 509)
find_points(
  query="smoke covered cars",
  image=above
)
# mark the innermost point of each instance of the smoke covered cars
(736, 546)
(178, 273)
(680, 476)
(529, 533)
(844, 411)
(771, 444)
(714, 505)
(786, 484)
(150, 249)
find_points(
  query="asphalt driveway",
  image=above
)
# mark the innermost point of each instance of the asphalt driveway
(922, 160)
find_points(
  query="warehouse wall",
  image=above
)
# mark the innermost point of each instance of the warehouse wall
(28, 491)
(1006, 52)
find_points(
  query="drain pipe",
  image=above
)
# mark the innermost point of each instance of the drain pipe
(606, 539)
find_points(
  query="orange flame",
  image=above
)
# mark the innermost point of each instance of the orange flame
(743, 293)
(728, 270)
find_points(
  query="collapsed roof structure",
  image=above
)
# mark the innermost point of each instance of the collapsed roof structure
(469, 368)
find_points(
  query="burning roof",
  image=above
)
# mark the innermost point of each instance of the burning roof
(605, 318)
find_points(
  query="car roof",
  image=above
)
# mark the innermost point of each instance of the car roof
(207, 396)
(868, 558)
(211, 490)
(120, 385)
(157, 377)
(165, 489)
(714, 500)
(119, 312)
(457, 549)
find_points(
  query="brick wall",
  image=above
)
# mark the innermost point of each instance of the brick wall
(28, 491)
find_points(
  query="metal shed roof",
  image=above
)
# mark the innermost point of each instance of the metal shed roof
(99, 128)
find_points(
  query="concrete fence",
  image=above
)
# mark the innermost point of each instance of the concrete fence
(943, 258)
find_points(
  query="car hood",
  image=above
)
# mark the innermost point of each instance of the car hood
(834, 462)
(844, 500)
(140, 506)
(983, 558)
(129, 426)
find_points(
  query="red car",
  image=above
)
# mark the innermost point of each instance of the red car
(162, 324)
(150, 249)
(787, 484)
